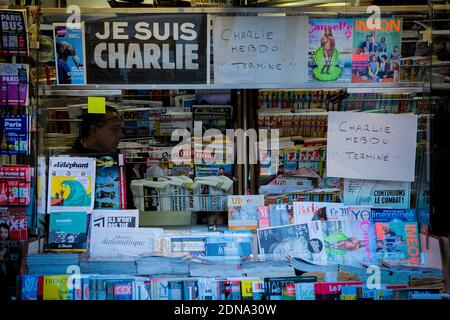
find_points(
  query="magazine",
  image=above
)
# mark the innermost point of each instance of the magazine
(15, 185)
(243, 211)
(13, 30)
(396, 234)
(14, 80)
(110, 190)
(67, 231)
(297, 240)
(305, 211)
(378, 194)
(69, 54)
(13, 220)
(349, 242)
(71, 182)
(376, 52)
(330, 50)
(14, 134)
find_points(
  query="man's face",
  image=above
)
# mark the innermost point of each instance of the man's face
(108, 136)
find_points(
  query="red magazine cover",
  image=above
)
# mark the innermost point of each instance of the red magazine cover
(15, 184)
(13, 221)
(331, 290)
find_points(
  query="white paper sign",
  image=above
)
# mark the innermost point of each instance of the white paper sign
(123, 242)
(115, 219)
(371, 146)
(260, 49)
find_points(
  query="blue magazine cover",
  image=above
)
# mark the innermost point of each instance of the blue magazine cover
(69, 54)
(396, 234)
(14, 134)
(68, 231)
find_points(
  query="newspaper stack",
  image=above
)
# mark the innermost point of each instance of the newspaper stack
(50, 263)
(157, 265)
(211, 193)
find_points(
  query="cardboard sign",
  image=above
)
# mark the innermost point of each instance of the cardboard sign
(371, 146)
(260, 49)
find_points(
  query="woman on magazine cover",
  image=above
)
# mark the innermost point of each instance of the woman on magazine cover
(328, 44)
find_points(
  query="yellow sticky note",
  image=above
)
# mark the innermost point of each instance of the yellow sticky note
(96, 105)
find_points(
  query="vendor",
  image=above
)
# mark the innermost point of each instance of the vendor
(99, 133)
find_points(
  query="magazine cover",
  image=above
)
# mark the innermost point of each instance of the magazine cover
(349, 242)
(243, 211)
(298, 240)
(376, 52)
(396, 234)
(305, 211)
(110, 189)
(14, 80)
(70, 54)
(71, 182)
(377, 193)
(330, 50)
(13, 30)
(67, 231)
(15, 185)
(14, 134)
(11, 254)
(115, 219)
(13, 223)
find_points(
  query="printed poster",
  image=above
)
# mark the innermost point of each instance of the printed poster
(376, 52)
(330, 50)
(69, 54)
(71, 182)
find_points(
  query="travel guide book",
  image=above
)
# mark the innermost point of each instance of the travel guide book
(71, 182)
(14, 84)
(13, 30)
(14, 134)
(15, 185)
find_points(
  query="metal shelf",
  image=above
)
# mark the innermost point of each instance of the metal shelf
(254, 10)
(115, 90)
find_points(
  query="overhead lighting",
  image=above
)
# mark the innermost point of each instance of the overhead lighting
(335, 4)
(323, 3)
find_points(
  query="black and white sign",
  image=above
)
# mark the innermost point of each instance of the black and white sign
(147, 49)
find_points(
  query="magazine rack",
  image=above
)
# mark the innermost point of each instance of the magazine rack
(18, 101)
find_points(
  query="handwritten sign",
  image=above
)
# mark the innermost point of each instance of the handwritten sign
(260, 49)
(371, 146)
